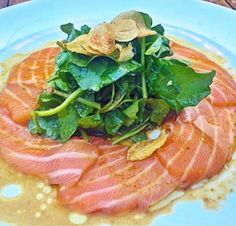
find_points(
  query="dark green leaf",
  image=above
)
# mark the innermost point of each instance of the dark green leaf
(67, 121)
(48, 100)
(147, 19)
(101, 72)
(160, 109)
(160, 47)
(159, 29)
(82, 109)
(126, 85)
(179, 85)
(65, 58)
(70, 30)
(91, 121)
(73, 33)
(113, 122)
(61, 85)
(49, 125)
(132, 110)
(142, 113)
(141, 136)
(85, 29)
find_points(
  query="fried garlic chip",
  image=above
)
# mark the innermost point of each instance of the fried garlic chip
(144, 149)
(126, 53)
(125, 30)
(77, 45)
(90, 50)
(138, 18)
(102, 39)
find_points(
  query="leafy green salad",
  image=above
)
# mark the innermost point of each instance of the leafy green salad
(116, 80)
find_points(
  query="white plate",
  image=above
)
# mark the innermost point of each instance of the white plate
(29, 25)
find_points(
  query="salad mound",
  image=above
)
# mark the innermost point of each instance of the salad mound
(117, 80)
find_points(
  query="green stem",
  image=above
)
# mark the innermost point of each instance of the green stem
(36, 122)
(144, 85)
(84, 134)
(61, 94)
(112, 106)
(130, 134)
(79, 99)
(62, 106)
(89, 103)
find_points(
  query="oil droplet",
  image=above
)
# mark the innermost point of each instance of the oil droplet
(11, 191)
(43, 207)
(18, 211)
(19, 174)
(139, 216)
(47, 189)
(40, 185)
(39, 196)
(38, 214)
(76, 218)
(49, 200)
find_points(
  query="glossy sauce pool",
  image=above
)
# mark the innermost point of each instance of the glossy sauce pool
(27, 200)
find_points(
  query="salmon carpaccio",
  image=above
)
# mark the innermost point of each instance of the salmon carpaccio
(96, 176)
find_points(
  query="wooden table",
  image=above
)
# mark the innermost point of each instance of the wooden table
(227, 3)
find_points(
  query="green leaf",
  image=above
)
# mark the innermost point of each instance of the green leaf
(64, 81)
(58, 83)
(49, 125)
(126, 85)
(142, 114)
(67, 121)
(91, 121)
(141, 136)
(82, 109)
(48, 100)
(73, 33)
(179, 85)
(132, 110)
(62, 85)
(159, 29)
(85, 29)
(160, 109)
(147, 19)
(113, 121)
(160, 47)
(70, 30)
(65, 58)
(101, 72)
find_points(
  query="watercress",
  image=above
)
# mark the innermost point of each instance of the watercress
(94, 93)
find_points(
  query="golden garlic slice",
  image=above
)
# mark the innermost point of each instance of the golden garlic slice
(126, 53)
(102, 39)
(90, 50)
(144, 149)
(77, 45)
(125, 30)
(138, 18)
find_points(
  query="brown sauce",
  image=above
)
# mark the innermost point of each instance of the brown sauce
(36, 203)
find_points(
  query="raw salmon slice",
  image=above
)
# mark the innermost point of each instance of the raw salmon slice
(26, 82)
(57, 163)
(199, 143)
(115, 185)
